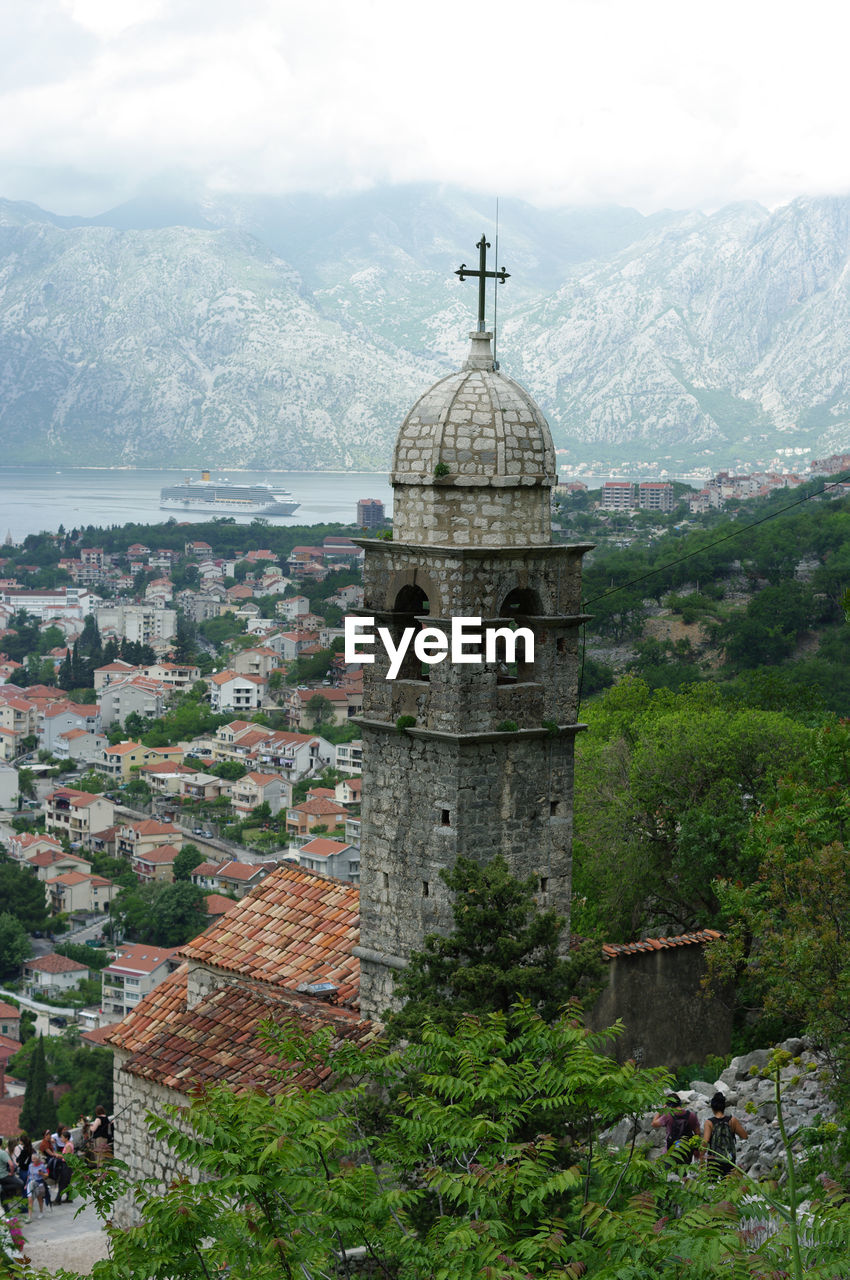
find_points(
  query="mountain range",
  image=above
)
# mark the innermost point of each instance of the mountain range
(295, 333)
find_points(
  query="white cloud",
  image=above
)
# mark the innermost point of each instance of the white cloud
(655, 104)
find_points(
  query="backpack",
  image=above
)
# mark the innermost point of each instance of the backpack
(721, 1144)
(678, 1135)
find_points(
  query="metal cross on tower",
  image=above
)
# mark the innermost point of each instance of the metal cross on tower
(501, 275)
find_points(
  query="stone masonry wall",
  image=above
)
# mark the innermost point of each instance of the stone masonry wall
(134, 1144)
(668, 1022)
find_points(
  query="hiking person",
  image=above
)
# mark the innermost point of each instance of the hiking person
(682, 1127)
(718, 1137)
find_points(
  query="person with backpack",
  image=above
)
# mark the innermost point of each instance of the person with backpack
(682, 1127)
(718, 1137)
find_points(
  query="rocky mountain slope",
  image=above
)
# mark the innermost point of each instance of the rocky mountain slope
(296, 333)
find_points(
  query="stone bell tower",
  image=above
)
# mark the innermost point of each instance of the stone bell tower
(486, 767)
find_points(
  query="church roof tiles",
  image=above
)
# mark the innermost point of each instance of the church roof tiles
(295, 927)
(217, 1041)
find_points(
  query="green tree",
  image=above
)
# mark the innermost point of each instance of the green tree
(503, 948)
(39, 1110)
(23, 893)
(14, 946)
(319, 710)
(786, 934)
(164, 915)
(666, 785)
(187, 859)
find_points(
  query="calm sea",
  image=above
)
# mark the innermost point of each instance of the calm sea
(33, 499)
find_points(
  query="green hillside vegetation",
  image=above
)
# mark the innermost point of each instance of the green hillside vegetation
(758, 593)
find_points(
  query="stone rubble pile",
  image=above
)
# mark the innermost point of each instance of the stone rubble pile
(805, 1100)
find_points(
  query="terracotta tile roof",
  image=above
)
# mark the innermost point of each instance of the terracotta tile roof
(8, 1010)
(70, 878)
(139, 957)
(79, 799)
(99, 1035)
(321, 793)
(150, 827)
(219, 905)
(53, 963)
(294, 927)
(242, 870)
(8, 1047)
(217, 1040)
(320, 808)
(123, 748)
(163, 853)
(207, 868)
(10, 1114)
(611, 950)
(152, 1012)
(47, 857)
(322, 848)
(26, 840)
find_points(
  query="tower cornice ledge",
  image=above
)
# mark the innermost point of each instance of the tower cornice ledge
(379, 957)
(491, 735)
(463, 552)
(432, 619)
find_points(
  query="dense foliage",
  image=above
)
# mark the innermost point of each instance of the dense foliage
(163, 914)
(491, 1168)
(502, 948)
(666, 786)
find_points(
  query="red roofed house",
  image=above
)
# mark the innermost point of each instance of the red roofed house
(49, 863)
(75, 891)
(136, 970)
(60, 717)
(24, 844)
(116, 670)
(77, 814)
(204, 874)
(277, 954)
(119, 761)
(240, 878)
(10, 1021)
(261, 788)
(52, 975)
(332, 858)
(156, 864)
(302, 818)
(230, 691)
(349, 791)
(135, 839)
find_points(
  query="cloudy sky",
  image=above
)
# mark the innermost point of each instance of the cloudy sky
(654, 104)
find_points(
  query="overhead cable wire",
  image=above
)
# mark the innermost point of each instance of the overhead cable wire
(736, 533)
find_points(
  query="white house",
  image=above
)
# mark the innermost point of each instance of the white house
(230, 691)
(136, 970)
(52, 975)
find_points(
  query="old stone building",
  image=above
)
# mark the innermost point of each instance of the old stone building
(485, 763)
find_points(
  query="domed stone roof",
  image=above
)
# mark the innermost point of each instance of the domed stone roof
(480, 425)
(474, 461)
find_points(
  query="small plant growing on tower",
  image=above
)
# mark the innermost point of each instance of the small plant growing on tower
(405, 722)
(507, 726)
(441, 469)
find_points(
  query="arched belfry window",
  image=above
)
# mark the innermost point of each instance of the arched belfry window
(408, 608)
(517, 606)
